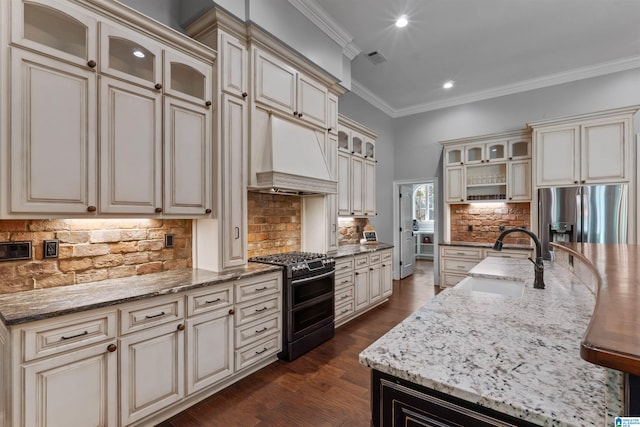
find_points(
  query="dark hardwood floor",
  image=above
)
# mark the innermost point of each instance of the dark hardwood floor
(326, 386)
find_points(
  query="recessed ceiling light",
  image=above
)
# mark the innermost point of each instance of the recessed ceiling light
(402, 21)
(138, 53)
(448, 85)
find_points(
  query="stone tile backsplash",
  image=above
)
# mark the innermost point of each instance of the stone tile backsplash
(93, 249)
(485, 221)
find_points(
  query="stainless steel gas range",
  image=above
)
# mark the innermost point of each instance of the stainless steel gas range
(308, 300)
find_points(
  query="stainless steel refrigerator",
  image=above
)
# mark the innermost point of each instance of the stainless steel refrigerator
(591, 214)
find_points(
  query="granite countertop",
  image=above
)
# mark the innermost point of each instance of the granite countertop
(39, 304)
(349, 250)
(486, 245)
(518, 356)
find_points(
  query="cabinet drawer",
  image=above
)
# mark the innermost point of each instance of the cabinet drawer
(254, 310)
(458, 265)
(257, 288)
(386, 255)
(344, 295)
(375, 258)
(56, 336)
(361, 261)
(344, 310)
(343, 281)
(256, 331)
(508, 254)
(142, 316)
(257, 352)
(344, 264)
(209, 299)
(450, 279)
(475, 253)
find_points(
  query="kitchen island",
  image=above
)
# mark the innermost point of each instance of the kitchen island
(495, 355)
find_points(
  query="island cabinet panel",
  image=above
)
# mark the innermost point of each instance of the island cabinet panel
(396, 402)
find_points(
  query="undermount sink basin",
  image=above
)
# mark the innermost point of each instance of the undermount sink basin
(509, 288)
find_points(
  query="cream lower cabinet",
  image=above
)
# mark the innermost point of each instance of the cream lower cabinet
(138, 363)
(345, 290)
(386, 275)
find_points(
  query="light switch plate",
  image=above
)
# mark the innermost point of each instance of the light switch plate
(168, 240)
(50, 249)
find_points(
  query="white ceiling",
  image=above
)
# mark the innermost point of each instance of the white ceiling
(489, 47)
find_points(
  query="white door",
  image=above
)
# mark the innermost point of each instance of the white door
(407, 243)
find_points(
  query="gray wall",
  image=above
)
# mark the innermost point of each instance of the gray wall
(364, 113)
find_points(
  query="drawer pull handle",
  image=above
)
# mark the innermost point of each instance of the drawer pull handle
(262, 330)
(264, 288)
(212, 301)
(344, 281)
(460, 266)
(262, 351)
(75, 336)
(460, 253)
(259, 310)
(153, 316)
(346, 310)
(344, 266)
(345, 296)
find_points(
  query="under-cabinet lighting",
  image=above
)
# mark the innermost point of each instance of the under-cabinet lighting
(448, 85)
(138, 53)
(402, 21)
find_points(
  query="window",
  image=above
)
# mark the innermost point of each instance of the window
(423, 203)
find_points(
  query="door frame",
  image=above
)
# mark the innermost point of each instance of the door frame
(396, 225)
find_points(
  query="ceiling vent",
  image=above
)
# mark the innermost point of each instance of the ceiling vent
(376, 57)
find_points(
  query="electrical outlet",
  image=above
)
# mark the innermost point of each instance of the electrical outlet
(501, 228)
(168, 240)
(50, 249)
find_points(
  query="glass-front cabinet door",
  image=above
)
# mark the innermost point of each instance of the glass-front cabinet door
(357, 144)
(56, 29)
(187, 78)
(519, 149)
(369, 149)
(496, 151)
(474, 154)
(131, 56)
(343, 141)
(454, 156)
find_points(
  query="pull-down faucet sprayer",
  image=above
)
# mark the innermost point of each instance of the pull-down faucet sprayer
(538, 282)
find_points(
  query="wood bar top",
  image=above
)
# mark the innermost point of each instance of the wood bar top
(613, 336)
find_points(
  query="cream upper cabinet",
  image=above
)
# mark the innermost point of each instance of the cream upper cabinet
(53, 138)
(454, 156)
(344, 184)
(281, 86)
(588, 149)
(131, 174)
(369, 187)
(454, 185)
(233, 66)
(187, 78)
(357, 185)
(495, 151)
(519, 181)
(332, 114)
(56, 28)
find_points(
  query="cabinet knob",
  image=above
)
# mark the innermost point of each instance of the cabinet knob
(329, 129)
(158, 210)
(158, 86)
(481, 161)
(462, 163)
(300, 115)
(111, 348)
(510, 158)
(180, 327)
(510, 198)
(370, 269)
(295, 113)
(357, 274)
(583, 181)
(232, 312)
(462, 200)
(91, 209)
(207, 211)
(575, 182)
(208, 103)
(245, 94)
(92, 64)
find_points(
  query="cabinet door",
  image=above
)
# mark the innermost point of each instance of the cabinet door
(332, 116)
(344, 184)
(496, 151)
(386, 273)
(357, 185)
(234, 172)
(519, 149)
(76, 389)
(474, 154)
(312, 101)
(519, 185)
(233, 66)
(332, 213)
(57, 29)
(187, 158)
(151, 371)
(275, 83)
(454, 185)
(605, 156)
(454, 156)
(369, 188)
(361, 285)
(130, 56)
(130, 148)
(209, 349)
(53, 136)
(557, 156)
(375, 284)
(187, 78)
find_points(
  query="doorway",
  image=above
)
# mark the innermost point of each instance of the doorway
(415, 222)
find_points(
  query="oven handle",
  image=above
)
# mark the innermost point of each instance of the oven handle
(311, 279)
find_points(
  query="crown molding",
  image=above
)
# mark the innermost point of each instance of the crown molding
(371, 98)
(523, 86)
(312, 11)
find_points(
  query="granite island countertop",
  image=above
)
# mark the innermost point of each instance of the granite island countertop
(519, 356)
(22, 307)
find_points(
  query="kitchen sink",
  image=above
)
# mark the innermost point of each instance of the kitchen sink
(508, 288)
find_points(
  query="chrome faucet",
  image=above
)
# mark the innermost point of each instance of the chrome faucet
(538, 282)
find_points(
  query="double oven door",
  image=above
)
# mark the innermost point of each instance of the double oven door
(310, 304)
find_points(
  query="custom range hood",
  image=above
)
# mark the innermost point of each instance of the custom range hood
(289, 158)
